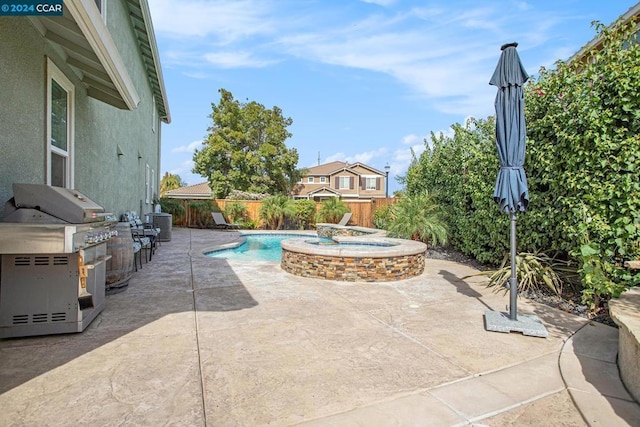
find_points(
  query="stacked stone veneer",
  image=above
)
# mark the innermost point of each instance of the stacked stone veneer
(353, 269)
(331, 230)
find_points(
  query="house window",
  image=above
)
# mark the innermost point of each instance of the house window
(370, 184)
(60, 128)
(323, 179)
(154, 118)
(344, 182)
(147, 185)
(153, 185)
(102, 7)
(310, 180)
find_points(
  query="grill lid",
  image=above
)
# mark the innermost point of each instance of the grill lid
(66, 204)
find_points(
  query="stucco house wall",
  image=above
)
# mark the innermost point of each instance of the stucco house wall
(112, 146)
(22, 109)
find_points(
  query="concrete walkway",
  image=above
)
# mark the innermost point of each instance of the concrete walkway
(200, 341)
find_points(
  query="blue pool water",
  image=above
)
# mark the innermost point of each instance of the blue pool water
(266, 247)
(258, 247)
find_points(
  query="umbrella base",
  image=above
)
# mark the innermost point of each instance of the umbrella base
(527, 324)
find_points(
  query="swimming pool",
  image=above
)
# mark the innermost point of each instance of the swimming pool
(364, 258)
(256, 247)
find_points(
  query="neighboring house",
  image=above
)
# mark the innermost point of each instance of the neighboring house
(633, 12)
(351, 182)
(82, 102)
(197, 191)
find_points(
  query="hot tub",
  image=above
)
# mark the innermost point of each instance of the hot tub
(354, 258)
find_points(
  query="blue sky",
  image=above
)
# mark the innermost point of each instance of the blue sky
(364, 81)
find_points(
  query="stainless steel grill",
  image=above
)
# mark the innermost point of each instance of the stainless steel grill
(48, 236)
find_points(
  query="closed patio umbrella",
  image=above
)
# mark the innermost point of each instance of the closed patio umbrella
(511, 191)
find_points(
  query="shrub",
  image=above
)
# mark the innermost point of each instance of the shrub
(332, 210)
(174, 207)
(202, 209)
(534, 271)
(236, 212)
(382, 217)
(305, 211)
(418, 217)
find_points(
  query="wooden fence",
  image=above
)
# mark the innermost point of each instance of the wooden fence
(198, 212)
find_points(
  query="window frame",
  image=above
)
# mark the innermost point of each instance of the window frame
(373, 180)
(101, 5)
(310, 180)
(154, 114)
(55, 74)
(346, 179)
(147, 184)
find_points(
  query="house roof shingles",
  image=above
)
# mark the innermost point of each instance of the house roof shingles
(196, 191)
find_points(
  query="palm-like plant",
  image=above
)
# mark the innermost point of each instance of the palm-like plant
(418, 218)
(236, 212)
(274, 209)
(534, 271)
(332, 210)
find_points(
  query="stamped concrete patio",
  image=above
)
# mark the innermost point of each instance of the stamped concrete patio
(202, 341)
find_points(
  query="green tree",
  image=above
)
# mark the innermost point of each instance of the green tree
(245, 149)
(170, 182)
(274, 209)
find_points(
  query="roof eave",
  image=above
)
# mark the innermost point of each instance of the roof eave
(89, 20)
(140, 9)
(633, 11)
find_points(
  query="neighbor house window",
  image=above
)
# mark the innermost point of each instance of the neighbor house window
(323, 179)
(310, 180)
(370, 184)
(344, 182)
(60, 128)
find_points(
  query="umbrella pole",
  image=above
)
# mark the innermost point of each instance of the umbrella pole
(513, 281)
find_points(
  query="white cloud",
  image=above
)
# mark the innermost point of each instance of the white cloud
(367, 157)
(189, 148)
(236, 60)
(224, 21)
(380, 2)
(184, 170)
(446, 55)
(410, 139)
(197, 75)
(402, 158)
(337, 157)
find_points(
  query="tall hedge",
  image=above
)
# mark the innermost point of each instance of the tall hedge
(583, 122)
(460, 172)
(583, 157)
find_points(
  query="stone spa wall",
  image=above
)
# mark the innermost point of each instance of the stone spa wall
(353, 269)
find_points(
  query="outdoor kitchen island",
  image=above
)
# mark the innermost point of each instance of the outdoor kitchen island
(53, 249)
